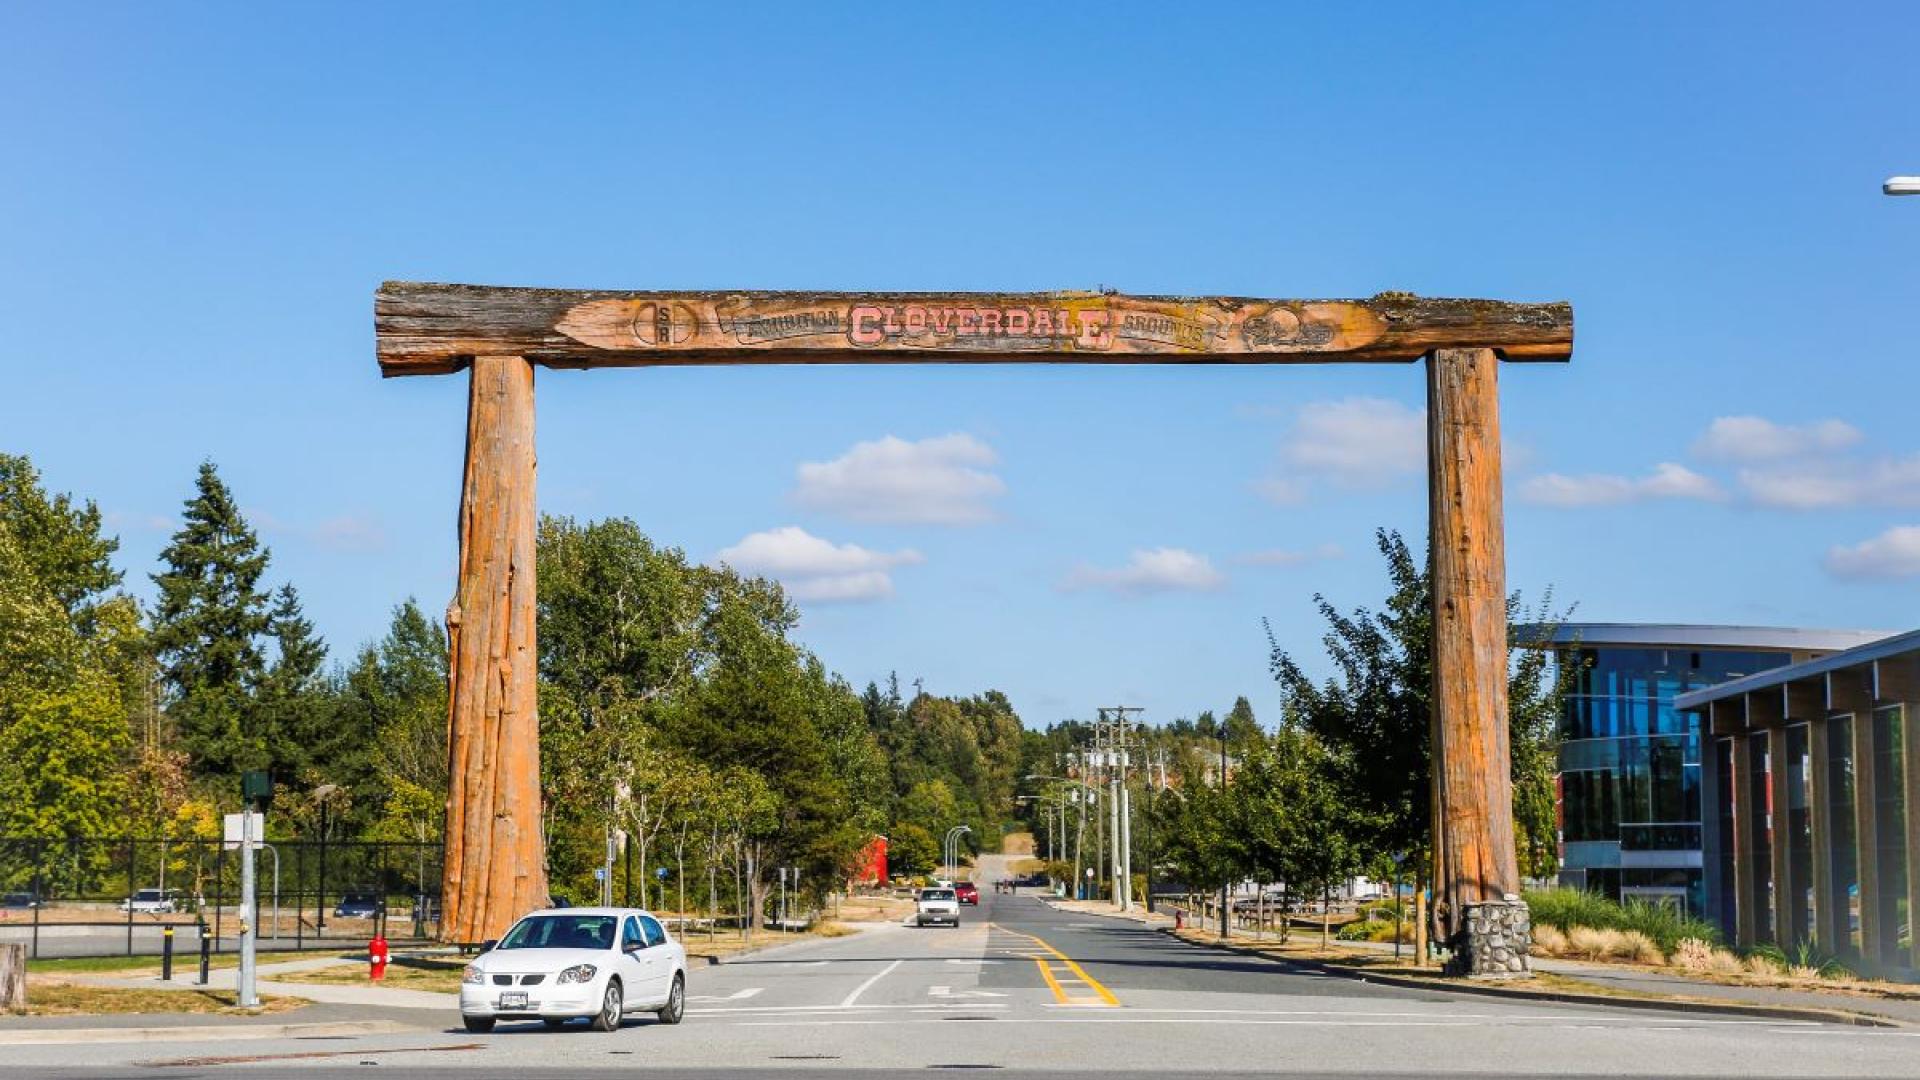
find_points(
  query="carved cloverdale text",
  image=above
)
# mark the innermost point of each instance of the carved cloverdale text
(918, 324)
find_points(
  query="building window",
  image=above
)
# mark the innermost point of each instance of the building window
(1800, 900)
(1723, 835)
(1845, 860)
(1760, 834)
(1890, 828)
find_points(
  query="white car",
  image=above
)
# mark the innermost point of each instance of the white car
(936, 905)
(562, 964)
(152, 902)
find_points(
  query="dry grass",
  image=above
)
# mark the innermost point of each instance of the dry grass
(858, 909)
(1640, 948)
(51, 997)
(1019, 843)
(1589, 943)
(1763, 965)
(1549, 941)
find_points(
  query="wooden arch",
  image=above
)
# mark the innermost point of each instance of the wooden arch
(495, 858)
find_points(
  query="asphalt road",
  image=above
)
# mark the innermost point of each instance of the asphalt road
(1020, 988)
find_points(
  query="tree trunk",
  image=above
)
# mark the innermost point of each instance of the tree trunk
(495, 867)
(1473, 787)
(13, 978)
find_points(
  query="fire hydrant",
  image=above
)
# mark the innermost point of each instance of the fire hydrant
(377, 958)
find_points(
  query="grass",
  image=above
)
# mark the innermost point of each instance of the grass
(54, 998)
(442, 976)
(136, 965)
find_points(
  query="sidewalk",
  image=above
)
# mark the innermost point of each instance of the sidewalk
(1647, 985)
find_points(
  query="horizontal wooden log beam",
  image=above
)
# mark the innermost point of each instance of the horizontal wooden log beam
(427, 329)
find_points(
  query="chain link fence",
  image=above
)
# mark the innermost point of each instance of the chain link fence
(102, 896)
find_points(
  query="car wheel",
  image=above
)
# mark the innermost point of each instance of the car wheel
(676, 1006)
(554, 1023)
(611, 1007)
(479, 1025)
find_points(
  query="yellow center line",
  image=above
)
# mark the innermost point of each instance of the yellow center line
(1053, 982)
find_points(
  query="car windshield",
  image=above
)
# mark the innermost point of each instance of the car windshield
(148, 894)
(936, 894)
(561, 932)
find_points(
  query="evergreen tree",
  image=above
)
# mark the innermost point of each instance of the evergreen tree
(208, 628)
(296, 710)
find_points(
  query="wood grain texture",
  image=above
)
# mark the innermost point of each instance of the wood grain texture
(427, 329)
(1473, 828)
(495, 867)
(13, 978)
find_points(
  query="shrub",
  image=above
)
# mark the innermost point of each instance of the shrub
(1548, 941)
(1595, 943)
(1640, 948)
(1693, 954)
(1662, 924)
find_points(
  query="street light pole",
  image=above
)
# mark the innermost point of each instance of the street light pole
(1226, 930)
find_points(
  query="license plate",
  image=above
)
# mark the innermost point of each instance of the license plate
(514, 1001)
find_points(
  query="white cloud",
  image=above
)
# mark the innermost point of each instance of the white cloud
(123, 520)
(1666, 481)
(1359, 442)
(1287, 557)
(355, 533)
(816, 569)
(1893, 554)
(1166, 569)
(1820, 484)
(1753, 438)
(937, 481)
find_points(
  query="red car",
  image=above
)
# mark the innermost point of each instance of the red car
(968, 893)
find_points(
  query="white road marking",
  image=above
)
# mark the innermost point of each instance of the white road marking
(948, 992)
(868, 985)
(737, 995)
(965, 961)
(763, 1010)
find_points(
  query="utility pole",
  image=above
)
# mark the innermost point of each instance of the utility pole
(1119, 756)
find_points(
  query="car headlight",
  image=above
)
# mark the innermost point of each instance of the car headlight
(471, 975)
(579, 973)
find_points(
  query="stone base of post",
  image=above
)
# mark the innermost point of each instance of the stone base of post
(1493, 941)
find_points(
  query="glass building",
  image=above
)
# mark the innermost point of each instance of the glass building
(1812, 790)
(1631, 781)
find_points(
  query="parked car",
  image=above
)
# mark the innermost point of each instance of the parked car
(561, 964)
(152, 902)
(967, 893)
(359, 905)
(21, 901)
(934, 906)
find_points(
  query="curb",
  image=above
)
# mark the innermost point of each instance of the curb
(58, 1036)
(1769, 1012)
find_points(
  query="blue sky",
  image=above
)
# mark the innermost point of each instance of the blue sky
(199, 200)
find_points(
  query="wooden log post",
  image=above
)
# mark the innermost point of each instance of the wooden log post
(1473, 786)
(495, 867)
(13, 978)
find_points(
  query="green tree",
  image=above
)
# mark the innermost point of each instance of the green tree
(60, 543)
(911, 851)
(208, 630)
(1374, 714)
(63, 732)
